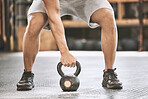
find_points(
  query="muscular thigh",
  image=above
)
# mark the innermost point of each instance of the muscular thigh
(103, 16)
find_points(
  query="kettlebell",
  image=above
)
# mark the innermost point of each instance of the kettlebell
(69, 83)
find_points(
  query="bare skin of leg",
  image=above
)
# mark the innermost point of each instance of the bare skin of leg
(31, 39)
(105, 17)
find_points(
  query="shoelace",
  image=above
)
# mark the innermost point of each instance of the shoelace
(113, 74)
(25, 76)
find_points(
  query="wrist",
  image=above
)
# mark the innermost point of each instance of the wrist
(66, 51)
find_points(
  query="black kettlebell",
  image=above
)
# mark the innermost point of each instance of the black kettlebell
(69, 83)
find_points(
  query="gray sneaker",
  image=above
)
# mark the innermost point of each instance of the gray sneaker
(26, 82)
(110, 80)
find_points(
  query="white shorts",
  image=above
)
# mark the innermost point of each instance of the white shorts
(79, 8)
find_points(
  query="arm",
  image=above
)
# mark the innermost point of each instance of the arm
(57, 28)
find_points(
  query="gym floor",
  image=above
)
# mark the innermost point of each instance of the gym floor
(132, 69)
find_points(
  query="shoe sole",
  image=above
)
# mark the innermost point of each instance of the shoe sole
(112, 87)
(24, 88)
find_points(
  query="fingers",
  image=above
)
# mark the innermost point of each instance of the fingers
(68, 61)
(66, 65)
(69, 64)
(73, 64)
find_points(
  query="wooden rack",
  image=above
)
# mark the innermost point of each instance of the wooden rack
(123, 22)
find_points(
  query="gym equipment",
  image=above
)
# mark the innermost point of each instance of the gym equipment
(70, 42)
(97, 45)
(131, 10)
(90, 44)
(145, 44)
(119, 47)
(69, 83)
(21, 11)
(129, 44)
(79, 44)
(1, 43)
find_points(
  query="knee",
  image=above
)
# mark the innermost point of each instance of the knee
(33, 28)
(108, 21)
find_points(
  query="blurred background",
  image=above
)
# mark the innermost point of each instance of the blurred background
(131, 17)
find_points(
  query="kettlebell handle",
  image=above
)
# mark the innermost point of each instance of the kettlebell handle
(59, 69)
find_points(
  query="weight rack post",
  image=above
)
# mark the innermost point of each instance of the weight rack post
(140, 36)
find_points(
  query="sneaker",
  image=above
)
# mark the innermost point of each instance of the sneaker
(110, 80)
(26, 82)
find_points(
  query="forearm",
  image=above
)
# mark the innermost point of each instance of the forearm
(53, 11)
(57, 29)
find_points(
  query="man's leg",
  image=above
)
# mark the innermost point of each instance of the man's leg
(31, 39)
(30, 49)
(105, 17)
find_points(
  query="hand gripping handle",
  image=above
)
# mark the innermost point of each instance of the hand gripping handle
(59, 69)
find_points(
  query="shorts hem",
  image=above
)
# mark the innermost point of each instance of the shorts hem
(39, 11)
